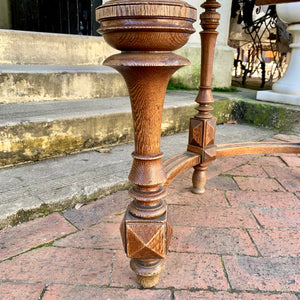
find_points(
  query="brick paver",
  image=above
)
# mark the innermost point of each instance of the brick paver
(213, 198)
(248, 170)
(271, 242)
(265, 274)
(212, 240)
(182, 272)
(97, 210)
(269, 161)
(221, 183)
(278, 218)
(32, 234)
(208, 295)
(239, 240)
(18, 291)
(212, 216)
(291, 161)
(286, 138)
(262, 199)
(102, 235)
(258, 184)
(223, 165)
(81, 292)
(59, 265)
(283, 172)
(291, 184)
(194, 270)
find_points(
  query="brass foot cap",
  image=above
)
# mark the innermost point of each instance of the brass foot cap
(148, 281)
(198, 191)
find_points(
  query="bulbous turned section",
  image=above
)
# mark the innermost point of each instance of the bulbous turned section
(130, 25)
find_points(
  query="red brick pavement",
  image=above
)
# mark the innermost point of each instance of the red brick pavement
(240, 240)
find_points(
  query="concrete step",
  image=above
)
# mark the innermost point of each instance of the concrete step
(35, 131)
(41, 130)
(37, 48)
(39, 188)
(34, 83)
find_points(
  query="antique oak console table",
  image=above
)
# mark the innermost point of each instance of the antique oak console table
(146, 32)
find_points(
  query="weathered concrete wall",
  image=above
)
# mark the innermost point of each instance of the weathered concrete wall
(23, 47)
(223, 60)
(189, 77)
(5, 15)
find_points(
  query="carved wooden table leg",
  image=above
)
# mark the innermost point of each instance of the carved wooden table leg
(145, 230)
(146, 32)
(203, 125)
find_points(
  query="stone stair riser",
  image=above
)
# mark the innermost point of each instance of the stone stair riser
(25, 142)
(34, 87)
(37, 141)
(26, 48)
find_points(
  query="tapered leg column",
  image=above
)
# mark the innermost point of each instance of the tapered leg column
(146, 231)
(203, 124)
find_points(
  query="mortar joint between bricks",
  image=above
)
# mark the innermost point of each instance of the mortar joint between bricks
(43, 292)
(252, 241)
(112, 268)
(225, 273)
(227, 200)
(256, 220)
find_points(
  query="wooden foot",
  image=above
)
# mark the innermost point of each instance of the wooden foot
(199, 179)
(147, 272)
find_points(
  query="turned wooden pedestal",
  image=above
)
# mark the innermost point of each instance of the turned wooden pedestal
(146, 32)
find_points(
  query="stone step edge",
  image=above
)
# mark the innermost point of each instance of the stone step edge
(27, 214)
(43, 140)
(27, 142)
(78, 82)
(48, 69)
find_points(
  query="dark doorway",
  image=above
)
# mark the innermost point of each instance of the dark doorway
(56, 16)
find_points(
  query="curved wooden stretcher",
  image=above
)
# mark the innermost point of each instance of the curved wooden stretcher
(146, 32)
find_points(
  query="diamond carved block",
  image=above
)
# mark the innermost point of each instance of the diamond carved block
(146, 239)
(196, 132)
(202, 132)
(210, 132)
